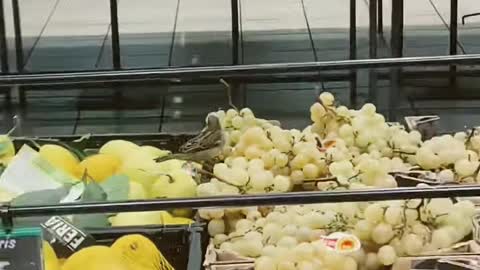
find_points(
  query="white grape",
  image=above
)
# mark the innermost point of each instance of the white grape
(281, 160)
(327, 99)
(372, 261)
(349, 264)
(466, 207)
(287, 241)
(286, 265)
(305, 265)
(268, 160)
(240, 162)
(374, 213)
(237, 122)
(269, 250)
(253, 235)
(465, 167)
(219, 239)
(231, 113)
(290, 230)
(303, 251)
(272, 232)
(446, 176)
(281, 183)
(304, 234)
(216, 226)
(297, 177)
(254, 215)
(393, 215)
(382, 233)
(226, 246)
(207, 190)
(363, 229)
(310, 171)
(412, 244)
(265, 263)
(441, 238)
(243, 225)
(386, 255)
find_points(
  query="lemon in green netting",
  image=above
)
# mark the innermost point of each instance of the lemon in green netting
(7, 149)
(50, 259)
(95, 258)
(140, 253)
(60, 158)
(119, 148)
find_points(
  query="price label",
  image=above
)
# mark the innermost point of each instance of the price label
(21, 249)
(64, 237)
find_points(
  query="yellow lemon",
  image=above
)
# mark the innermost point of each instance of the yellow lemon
(138, 160)
(140, 253)
(183, 212)
(95, 258)
(49, 257)
(7, 150)
(140, 176)
(119, 148)
(136, 191)
(100, 166)
(136, 219)
(177, 184)
(60, 157)
(168, 219)
(153, 151)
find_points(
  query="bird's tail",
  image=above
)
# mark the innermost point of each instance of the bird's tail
(169, 157)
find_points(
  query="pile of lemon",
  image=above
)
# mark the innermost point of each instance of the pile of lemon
(129, 252)
(147, 178)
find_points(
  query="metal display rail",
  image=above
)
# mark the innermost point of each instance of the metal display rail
(214, 73)
(8, 213)
(375, 29)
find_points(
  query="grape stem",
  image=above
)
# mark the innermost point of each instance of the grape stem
(229, 94)
(240, 187)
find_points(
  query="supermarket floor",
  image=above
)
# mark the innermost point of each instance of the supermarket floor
(75, 35)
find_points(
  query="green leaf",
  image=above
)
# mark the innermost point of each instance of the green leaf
(49, 196)
(93, 192)
(116, 187)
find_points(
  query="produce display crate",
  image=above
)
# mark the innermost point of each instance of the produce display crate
(94, 141)
(184, 246)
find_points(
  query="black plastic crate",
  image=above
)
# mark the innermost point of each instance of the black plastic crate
(184, 246)
(161, 140)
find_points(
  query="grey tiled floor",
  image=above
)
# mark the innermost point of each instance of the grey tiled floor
(75, 35)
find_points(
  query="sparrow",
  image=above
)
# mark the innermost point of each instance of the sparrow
(207, 145)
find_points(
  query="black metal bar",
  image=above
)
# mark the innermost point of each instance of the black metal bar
(116, 60)
(469, 15)
(396, 44)
(180, 74)
(235, 32)
(17, 25)
(453, 37)
(380, 17)
(3, 41)
(372, 81)
(19, 56)
(249, 200)
(353, 52)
